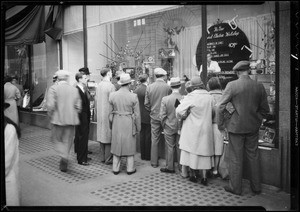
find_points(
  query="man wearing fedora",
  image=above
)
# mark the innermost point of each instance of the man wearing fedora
(170, 124)
(125, 123)
(249, 99)
(63, 106)
(154, 94)
(145, 134)
(103, 108)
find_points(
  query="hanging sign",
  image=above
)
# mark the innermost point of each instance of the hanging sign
(228, 45)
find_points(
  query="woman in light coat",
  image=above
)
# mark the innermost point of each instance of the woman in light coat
(126, 123)
(196, 139)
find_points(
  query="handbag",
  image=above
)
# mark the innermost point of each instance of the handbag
(224, 163)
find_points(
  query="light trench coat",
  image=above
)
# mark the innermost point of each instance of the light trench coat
(126, 122)
(103, 108)
(196, 133)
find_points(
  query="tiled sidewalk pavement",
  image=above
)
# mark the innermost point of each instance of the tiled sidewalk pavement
(43, 184)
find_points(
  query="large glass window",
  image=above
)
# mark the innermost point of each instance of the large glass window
(28, 64)
(246, 32)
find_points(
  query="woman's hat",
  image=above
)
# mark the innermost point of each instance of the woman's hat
(196, 81)
(124, 79)
(175, 81)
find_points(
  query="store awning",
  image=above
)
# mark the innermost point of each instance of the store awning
(24, 25)
(53, 25)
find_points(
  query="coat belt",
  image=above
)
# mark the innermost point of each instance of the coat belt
(127, 114)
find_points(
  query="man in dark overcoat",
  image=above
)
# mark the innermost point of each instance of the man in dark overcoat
(145, 134)
(250, 103)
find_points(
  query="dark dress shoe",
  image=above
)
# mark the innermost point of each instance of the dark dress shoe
(216, 175)
(257, 192)
(230, 190)
(88, 159)
(130, 173)
(84, 163)
(204, 181)
(63, 165)
(116, 173)
(193, 179)
(89, 152)
(167, 170)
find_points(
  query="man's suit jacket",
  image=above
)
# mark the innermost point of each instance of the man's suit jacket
(167, 113)
(154, 94)
(141, 92)
(85, 103)
(63, 104)
(249, 99)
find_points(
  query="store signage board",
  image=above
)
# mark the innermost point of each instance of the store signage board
(228, 45)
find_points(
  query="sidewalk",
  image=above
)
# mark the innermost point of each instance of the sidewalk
(43, 184)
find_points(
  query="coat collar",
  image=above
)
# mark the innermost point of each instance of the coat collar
(201, 91)
(244, 77)
(160, 80)
(215, 92)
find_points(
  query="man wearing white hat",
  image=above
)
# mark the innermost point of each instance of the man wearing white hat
(63, 106)
(249, 99)
(170, 124)
(154, 94)
(125, 124)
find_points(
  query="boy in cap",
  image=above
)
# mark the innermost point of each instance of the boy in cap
(249, 99)
(145, 134)
(63, 106)
(154, 94)
(170, 124)
(82, 130)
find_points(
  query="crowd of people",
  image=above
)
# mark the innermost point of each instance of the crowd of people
(193, 122)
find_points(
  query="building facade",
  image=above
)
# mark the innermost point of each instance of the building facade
(139, 38)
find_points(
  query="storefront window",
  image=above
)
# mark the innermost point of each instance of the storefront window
(28, 64)
(73, 53)
(246, 32)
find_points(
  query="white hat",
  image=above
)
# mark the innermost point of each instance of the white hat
(124, 79)
(62, 74)
(159, 71)
(175, 81)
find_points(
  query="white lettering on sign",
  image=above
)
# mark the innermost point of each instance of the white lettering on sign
(218, 29)
(234, 33)
(218, 35)
(232, 45)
